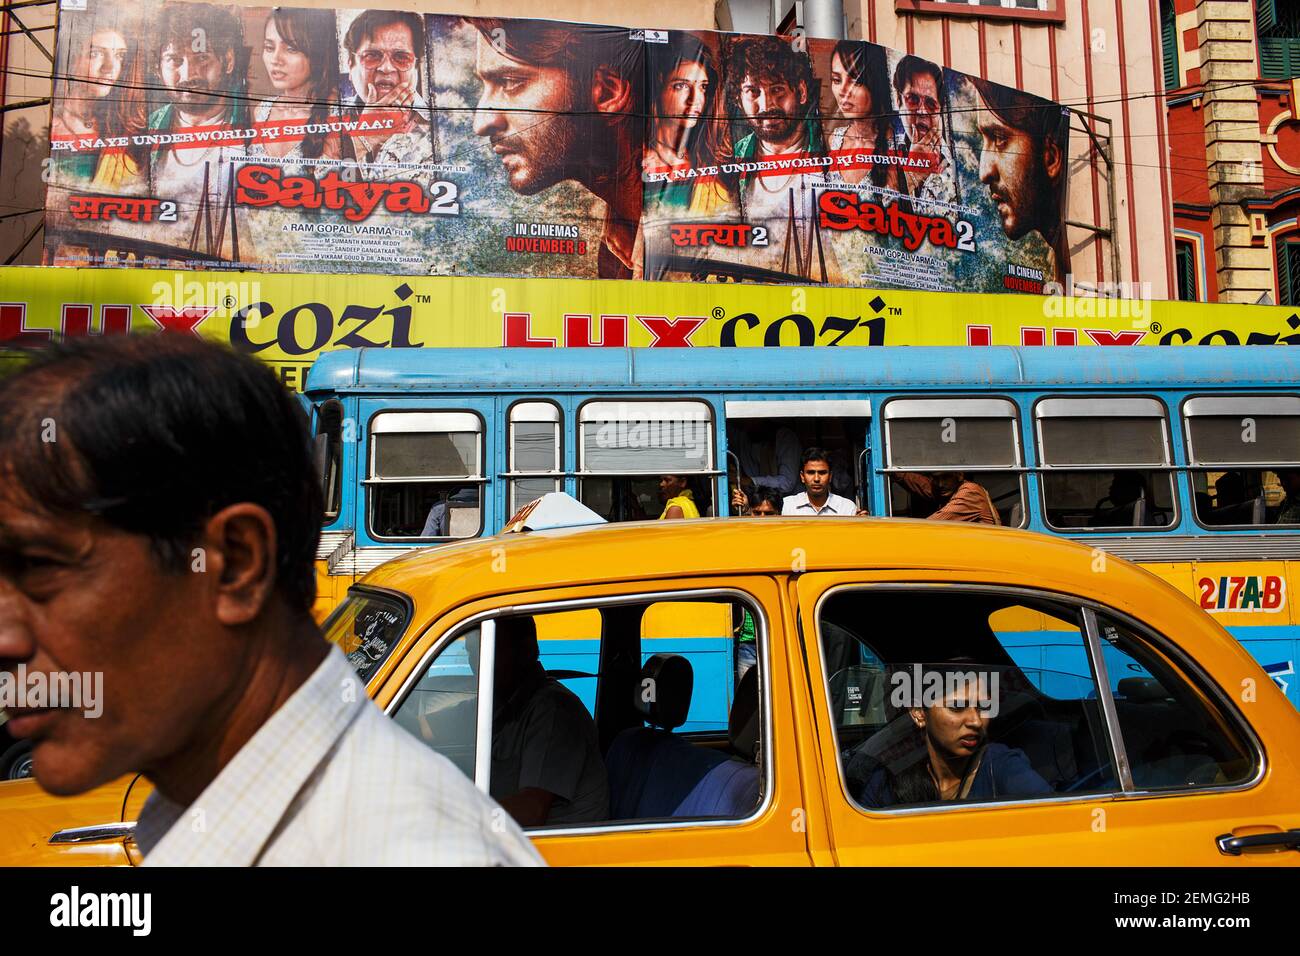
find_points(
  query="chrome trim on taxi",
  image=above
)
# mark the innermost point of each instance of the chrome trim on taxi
(92, 834)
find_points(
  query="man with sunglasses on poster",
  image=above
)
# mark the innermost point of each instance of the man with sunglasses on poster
(385, 49)
(922, 103)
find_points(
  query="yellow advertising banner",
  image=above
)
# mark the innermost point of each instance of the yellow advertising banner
(287, 320)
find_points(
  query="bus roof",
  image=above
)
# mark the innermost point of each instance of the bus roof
(864, 367)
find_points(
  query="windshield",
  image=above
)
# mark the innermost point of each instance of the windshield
(367, 626)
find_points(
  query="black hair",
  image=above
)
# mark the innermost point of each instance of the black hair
(909, 66)
(867, 65)
(814, 454)
(763, 494)
(156, 433)
(368, 21)
(216, 27)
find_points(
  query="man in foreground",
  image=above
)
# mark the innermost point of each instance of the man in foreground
(159, 516)
(817, 499)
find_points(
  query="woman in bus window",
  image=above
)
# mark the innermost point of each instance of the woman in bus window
(679, 501)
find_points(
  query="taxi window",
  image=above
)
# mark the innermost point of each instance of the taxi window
(979, 438)
(1000, 685)
(426, 475)
(1174, 734)
(1248, 452)
(621, 713)
(366, 626)
(1105, 463)
(624, 448)
(1003, 687)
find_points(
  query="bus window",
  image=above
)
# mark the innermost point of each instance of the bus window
(426, 475)
(624, 448)
(534, 448)
(1245, 455)
(766, 438)
(328, 449)
(977, 437)
(1105, 463)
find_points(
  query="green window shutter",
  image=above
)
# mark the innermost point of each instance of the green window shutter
(1169, 44)
(1186, 272)
(1288, 272)
(1265, 14)
(1279, 57)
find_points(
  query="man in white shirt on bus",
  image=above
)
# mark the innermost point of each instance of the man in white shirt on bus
(817, 499)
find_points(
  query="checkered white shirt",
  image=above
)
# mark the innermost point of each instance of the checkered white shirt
(800, 505)
(329, 780)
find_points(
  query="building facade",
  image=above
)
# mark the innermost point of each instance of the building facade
(1230, 68)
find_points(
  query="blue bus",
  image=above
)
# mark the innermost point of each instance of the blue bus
(1185, 460)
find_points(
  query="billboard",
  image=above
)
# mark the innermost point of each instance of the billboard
(210, 136)
(287, 320)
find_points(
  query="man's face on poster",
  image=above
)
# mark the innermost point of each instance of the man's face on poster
(526, 111)
(1012, 169)
(384, 62)
(194, 75)
(773, 106)
(921, 108)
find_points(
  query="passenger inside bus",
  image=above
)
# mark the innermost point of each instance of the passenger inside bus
(678, 499)
(1125, 503)
(1290, 511)
(948, 496)
(761, 503)
(765, 452)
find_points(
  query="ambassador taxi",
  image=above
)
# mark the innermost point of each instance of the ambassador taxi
(818, 691)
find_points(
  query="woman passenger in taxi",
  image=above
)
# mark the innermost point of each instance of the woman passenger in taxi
(957, 761)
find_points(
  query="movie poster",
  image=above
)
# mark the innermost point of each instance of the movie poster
(210, 136)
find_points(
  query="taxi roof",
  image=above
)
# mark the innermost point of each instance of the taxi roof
(443, 576)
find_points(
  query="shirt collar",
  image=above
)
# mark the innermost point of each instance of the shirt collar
(232, 820)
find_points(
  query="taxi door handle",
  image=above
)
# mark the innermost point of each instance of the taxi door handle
(1231, 845)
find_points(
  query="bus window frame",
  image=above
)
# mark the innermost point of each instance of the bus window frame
(511, 474)
(371, 481)
(1170, 467)
(1020, 469)
(711, 473)
(1195, 467)
(333, 440)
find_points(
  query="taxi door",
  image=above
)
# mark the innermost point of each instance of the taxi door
(774, 834)
(1171, 811)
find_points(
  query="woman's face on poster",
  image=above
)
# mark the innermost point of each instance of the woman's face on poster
(286, 65)
(101, 62)
(853, 98)
(683, 96)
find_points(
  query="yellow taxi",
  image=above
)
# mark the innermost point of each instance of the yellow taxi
(819, 691)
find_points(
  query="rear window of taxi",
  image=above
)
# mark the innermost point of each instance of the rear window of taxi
(367, 626)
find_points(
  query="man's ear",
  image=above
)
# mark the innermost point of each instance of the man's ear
(803, 93)
(238, 549)
(1053, 159)
(230, 61)
(610, 91)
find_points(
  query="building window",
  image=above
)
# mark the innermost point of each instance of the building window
(1169, 44)
(1279, 39)
(1185, 267)
(1049, 10)
(1288, 271)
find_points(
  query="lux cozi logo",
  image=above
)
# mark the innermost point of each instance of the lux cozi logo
(743, 328)
(77, 319)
